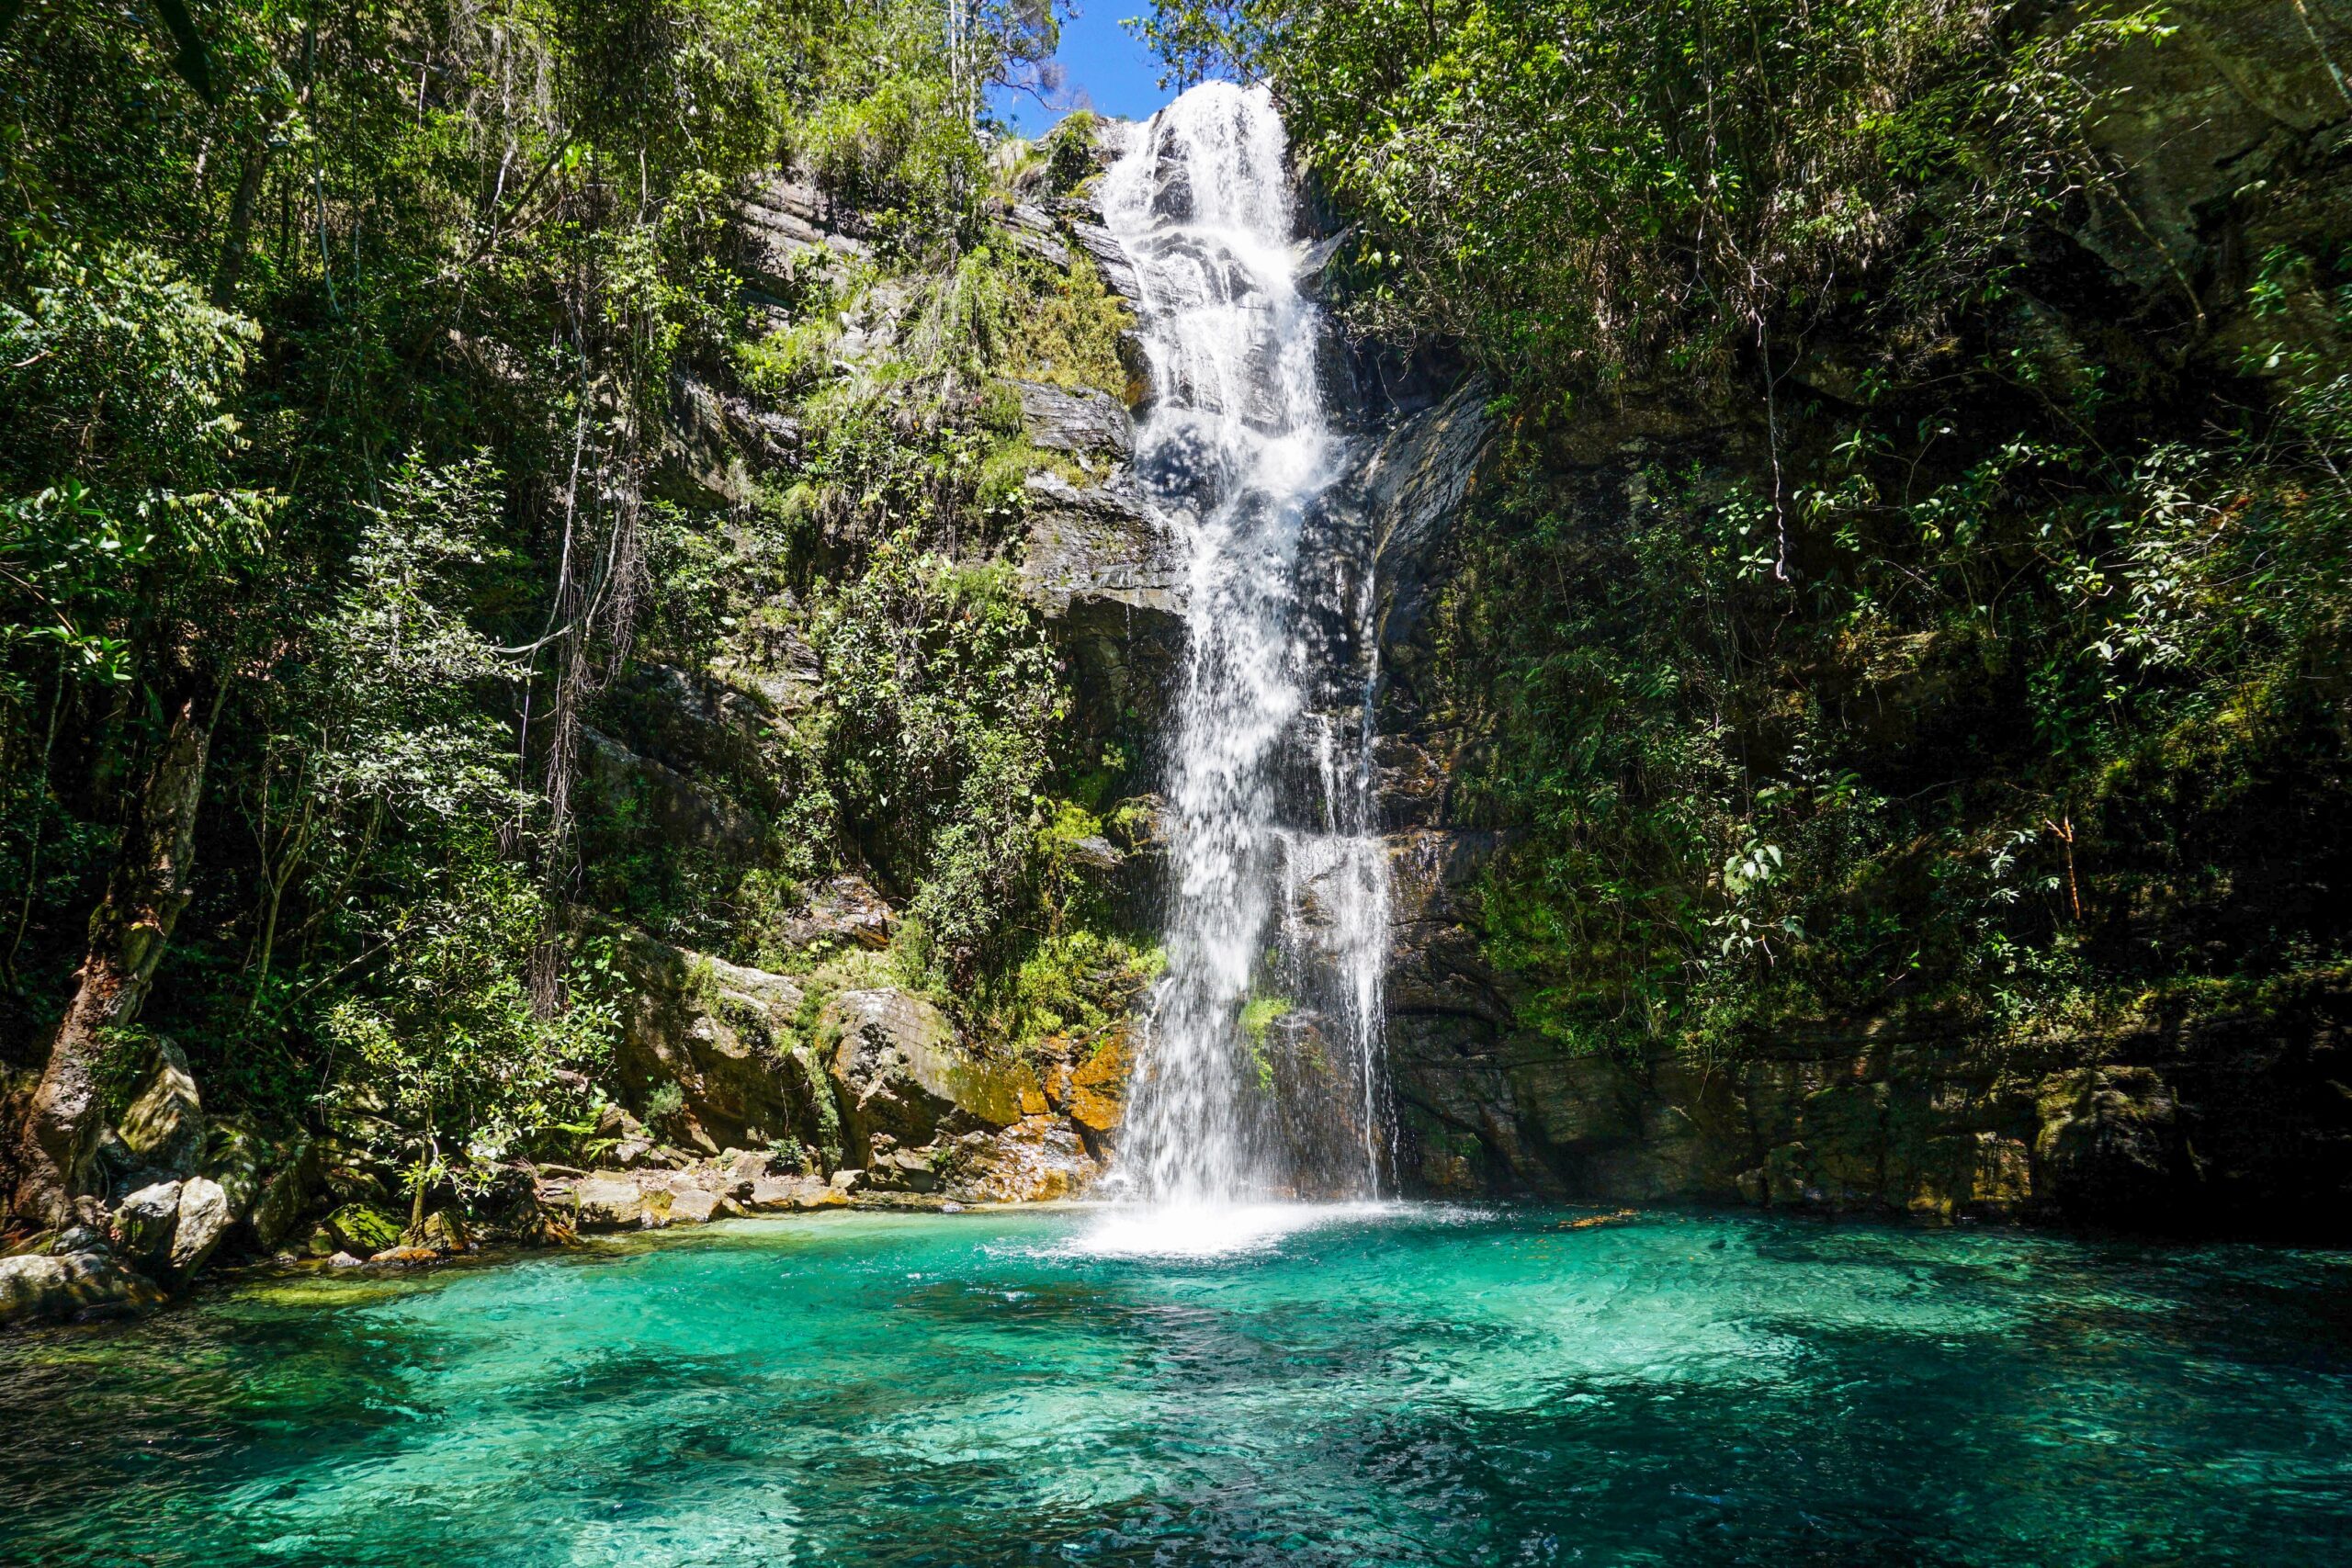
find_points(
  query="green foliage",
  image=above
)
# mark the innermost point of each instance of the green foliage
(1582, 191)
(116, 502)
(944, 696)
(337, 399)
(2034, 732)
(1069, 150)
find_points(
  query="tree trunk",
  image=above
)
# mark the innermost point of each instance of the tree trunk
(143, 899)
(239, 241)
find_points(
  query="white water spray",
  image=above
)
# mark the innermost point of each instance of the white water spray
(1258, 1076)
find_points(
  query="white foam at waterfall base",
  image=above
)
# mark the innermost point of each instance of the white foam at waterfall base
(1214, 1230)
(1235, 453)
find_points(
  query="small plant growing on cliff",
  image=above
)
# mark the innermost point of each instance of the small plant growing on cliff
(1070, 158)
(663, 1105)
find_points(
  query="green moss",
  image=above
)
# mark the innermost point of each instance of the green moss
(1259, 1015)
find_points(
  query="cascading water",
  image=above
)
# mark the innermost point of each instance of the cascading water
(1258, 1075)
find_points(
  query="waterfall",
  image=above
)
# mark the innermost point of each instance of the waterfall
(1258, 1074)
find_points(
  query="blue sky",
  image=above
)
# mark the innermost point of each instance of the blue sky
(1104, 63)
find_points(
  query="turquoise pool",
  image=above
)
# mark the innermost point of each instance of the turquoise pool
(1408, 1385)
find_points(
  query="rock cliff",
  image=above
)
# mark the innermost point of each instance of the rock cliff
(2170, 1112)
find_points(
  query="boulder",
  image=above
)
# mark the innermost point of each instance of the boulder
(907, 1170)
(285, 1196)
(233, 1157)
(608, 1201)
(695, 1207)
(163, 1129)
(34, 1287)
(843, 910)
(404, 1257)
(346, 1260)
(205, 1217)
(745, 1167)
(720, 1033)
(774, 1194)
(1039, 1159)
(442, 1231)
(361, 1229)
(143, 1223)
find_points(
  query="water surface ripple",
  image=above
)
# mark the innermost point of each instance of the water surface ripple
(1405, 1386)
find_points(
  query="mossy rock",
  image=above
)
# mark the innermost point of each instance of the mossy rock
(357, 1229)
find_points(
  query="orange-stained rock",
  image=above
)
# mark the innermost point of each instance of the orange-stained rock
(1098, 1086)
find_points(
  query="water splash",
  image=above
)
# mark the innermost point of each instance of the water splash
(1258, 1075)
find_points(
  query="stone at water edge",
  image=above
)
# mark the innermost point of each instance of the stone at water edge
(233, 1157)
(795, 1194)
(33, 1287)
(441, 1233)
(205, 1217)
(346, 1260)
(695, 1207)
(404, 1257)
(607, 1201)
(899, 1069)
(286, 1194)
(357, 1228)
(143, 1223)
(1098, 1085)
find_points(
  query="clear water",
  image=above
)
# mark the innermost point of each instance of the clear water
(1412, 1386)
(1280, 893)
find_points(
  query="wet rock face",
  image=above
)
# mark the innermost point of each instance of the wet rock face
(1111, 586)
(2108, 1138)
(1081, 421)
(2223, 1121)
